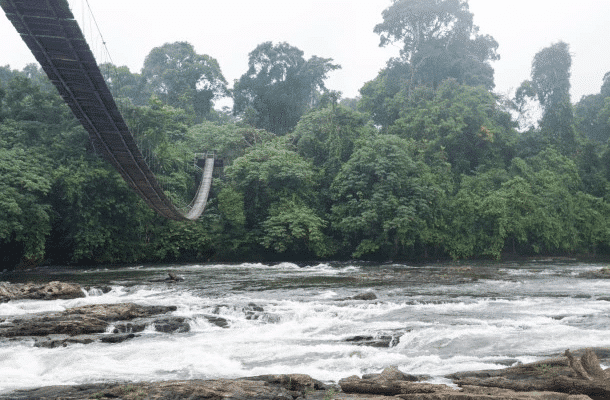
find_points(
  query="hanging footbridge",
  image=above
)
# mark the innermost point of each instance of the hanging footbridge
(52, 34)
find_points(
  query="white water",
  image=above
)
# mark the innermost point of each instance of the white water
(518, 313)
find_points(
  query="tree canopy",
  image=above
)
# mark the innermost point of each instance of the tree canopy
(279, 86)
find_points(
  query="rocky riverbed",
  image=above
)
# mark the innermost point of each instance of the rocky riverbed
(339, 330)
(572, 376)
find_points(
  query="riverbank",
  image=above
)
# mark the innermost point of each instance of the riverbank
(554, 379)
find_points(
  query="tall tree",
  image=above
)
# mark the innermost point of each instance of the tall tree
(182, 78)
(550, 85)
(279, 86)
(439, 40)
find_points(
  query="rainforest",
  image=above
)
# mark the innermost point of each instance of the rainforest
(427, 163)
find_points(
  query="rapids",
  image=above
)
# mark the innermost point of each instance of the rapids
(441, 318)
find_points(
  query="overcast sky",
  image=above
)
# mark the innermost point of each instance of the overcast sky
(340, 29)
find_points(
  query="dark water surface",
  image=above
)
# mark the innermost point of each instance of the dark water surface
(437, 319)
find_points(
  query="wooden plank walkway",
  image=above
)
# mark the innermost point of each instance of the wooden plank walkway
(52, 34)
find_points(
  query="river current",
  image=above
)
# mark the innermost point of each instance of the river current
(288, 318)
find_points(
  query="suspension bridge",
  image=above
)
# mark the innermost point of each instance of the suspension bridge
(52, 34)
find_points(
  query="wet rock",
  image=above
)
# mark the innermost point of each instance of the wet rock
(98, 290)
(292, 382)
(219, 308)
(119, 312)
(54, 324)
(253, 311)
(53, 341)
(602, 273)
(129, 327)
(361, 296)
(374, 341)
(239, 389)
(218, 321)
(117, 338)
(392, 382)
(171, 325)
(280, 387)
(381, 386)
(568, 375)
(171, 277)
(47, 291)
(93, 319)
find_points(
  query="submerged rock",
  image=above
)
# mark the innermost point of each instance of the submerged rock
(171, 325)
(218, 321)
(117, 337)
(129, 327)
(171, 277)
(47, 291)
(374, 341)
(361, 296)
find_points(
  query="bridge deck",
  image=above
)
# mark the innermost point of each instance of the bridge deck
(50, 31)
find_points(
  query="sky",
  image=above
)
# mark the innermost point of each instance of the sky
(339, 29)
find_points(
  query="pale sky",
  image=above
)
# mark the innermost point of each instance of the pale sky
(340, 29)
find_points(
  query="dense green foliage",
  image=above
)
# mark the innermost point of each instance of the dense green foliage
(427, 163)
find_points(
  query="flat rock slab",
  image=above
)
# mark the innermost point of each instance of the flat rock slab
(86, 320)
(268, 387)
(47, 291)
(568, 375)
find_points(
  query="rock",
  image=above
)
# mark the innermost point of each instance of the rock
(268, 387)
(54, 324)
(292, 382)
(117, 338)
(602, 273)
(98, 290)
(129, 327)
(238, 389)
(53, 341)
(392, 373)
(120, 311)
(361, 296)
(391, 382)
(171, 277)
(85, 320)
(381, 386)
(374, 341)
(253, 311)
(218, 321)
(48, 291)
(568, 375)
(171, 325)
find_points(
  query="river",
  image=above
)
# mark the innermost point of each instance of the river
(437, 319)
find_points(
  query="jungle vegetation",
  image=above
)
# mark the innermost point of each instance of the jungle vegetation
(427, 163)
